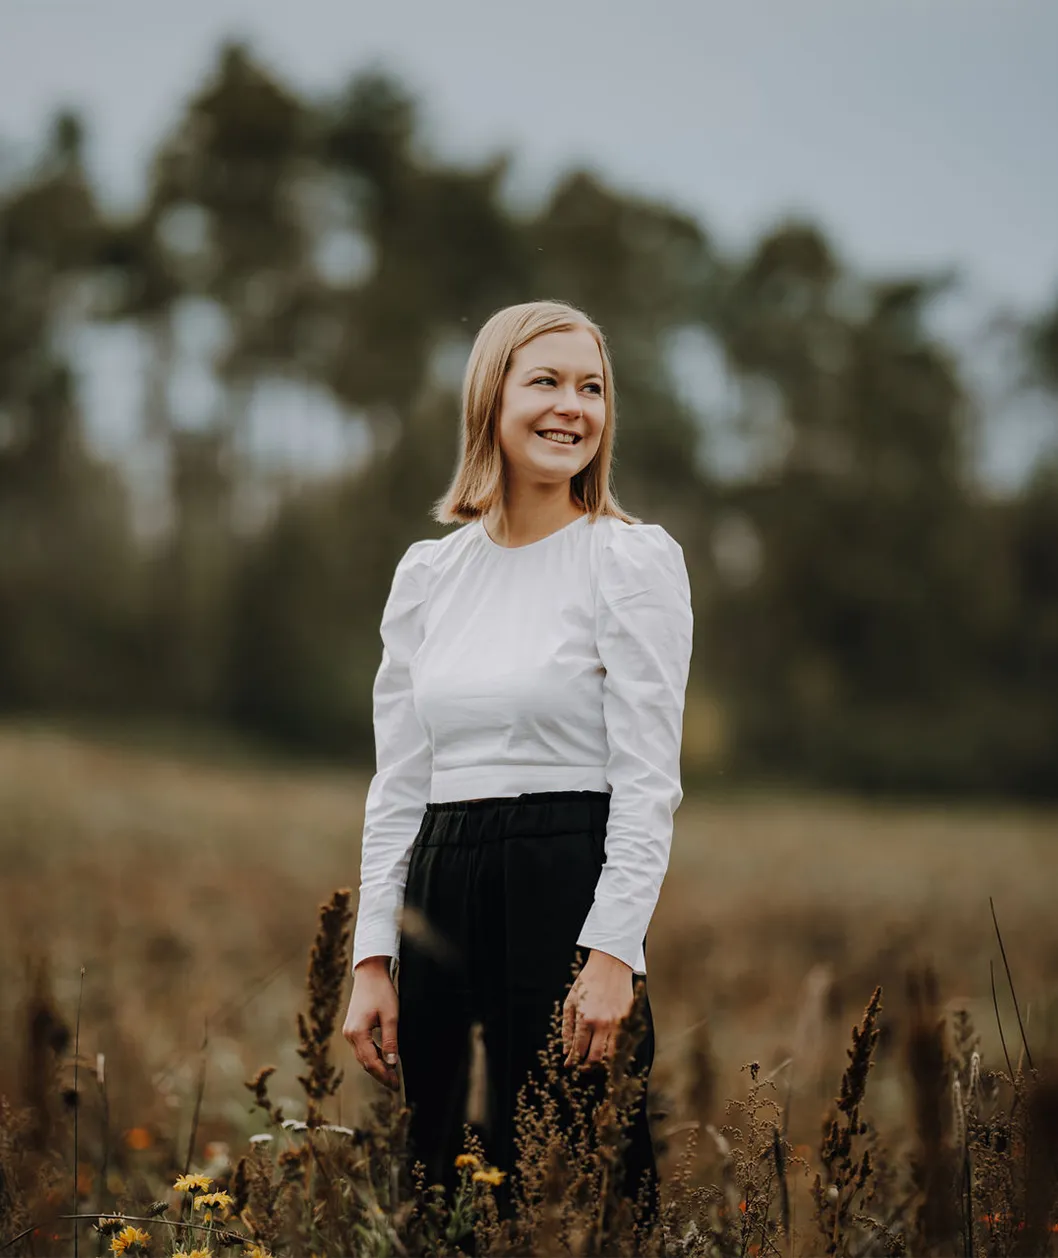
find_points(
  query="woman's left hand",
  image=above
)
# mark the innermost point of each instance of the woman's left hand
(599, 1000)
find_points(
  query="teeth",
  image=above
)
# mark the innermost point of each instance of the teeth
(554, 436)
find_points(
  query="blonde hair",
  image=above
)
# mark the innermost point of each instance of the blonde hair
(478, 483)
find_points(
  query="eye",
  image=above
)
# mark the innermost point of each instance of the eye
(551, 380)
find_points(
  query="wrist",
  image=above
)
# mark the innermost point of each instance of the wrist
(378, 963)
(607, 958)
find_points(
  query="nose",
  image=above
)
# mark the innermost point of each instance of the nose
(568, 402)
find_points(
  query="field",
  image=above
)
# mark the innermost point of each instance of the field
(188, 891)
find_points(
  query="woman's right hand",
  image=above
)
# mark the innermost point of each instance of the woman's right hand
(374, 1003)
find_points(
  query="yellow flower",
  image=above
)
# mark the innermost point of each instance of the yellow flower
(492, 1176)
(255, 1251)
(467, 1159)
(194, 1253)
(208, 1202)
(211, 1201)
(192, 1183)
(131, 1240)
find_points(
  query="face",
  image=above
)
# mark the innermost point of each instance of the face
(554, 382)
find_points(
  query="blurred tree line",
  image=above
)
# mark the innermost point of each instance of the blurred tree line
(867, 614)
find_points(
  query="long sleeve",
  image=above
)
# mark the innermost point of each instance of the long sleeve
(400, 788)
(644, 631)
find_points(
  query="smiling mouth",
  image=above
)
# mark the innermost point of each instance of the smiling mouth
(559, 441)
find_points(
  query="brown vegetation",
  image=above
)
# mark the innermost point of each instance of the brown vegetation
(189, 894)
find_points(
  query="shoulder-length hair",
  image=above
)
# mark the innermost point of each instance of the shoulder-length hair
(479, 481)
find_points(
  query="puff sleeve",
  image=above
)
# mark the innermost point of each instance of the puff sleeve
(400, 788)
(644, 628)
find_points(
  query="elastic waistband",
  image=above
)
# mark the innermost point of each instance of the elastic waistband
(511, 816)
(510, 801)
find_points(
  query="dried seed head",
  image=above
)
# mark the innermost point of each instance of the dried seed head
(108, 1227)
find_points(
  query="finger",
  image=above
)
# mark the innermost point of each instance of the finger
(569, 1023)
(581, 1042)
(389, 1039)
(599, 1049)
(389, 1069)
(369, 1056)
(366, 1053)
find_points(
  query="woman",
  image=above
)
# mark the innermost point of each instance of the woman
(528, 717)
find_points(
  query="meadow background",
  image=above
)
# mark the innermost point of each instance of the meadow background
(226, 407)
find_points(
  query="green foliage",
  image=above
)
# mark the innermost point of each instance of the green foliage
(880, 623)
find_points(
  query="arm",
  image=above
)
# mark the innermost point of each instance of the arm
(644, 629)
(400, 787)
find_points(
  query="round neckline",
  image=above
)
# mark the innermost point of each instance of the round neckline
(530, 545)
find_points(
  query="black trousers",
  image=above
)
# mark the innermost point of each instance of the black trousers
(496, 893)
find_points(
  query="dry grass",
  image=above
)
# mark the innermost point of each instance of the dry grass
(189, 893)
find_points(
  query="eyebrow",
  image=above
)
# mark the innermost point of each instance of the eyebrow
(592, 375)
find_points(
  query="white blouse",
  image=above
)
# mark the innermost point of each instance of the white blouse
(560, 665)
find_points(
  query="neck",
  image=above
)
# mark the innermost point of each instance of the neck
(521, 523)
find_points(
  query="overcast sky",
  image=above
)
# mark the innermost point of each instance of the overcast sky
(920, 133)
